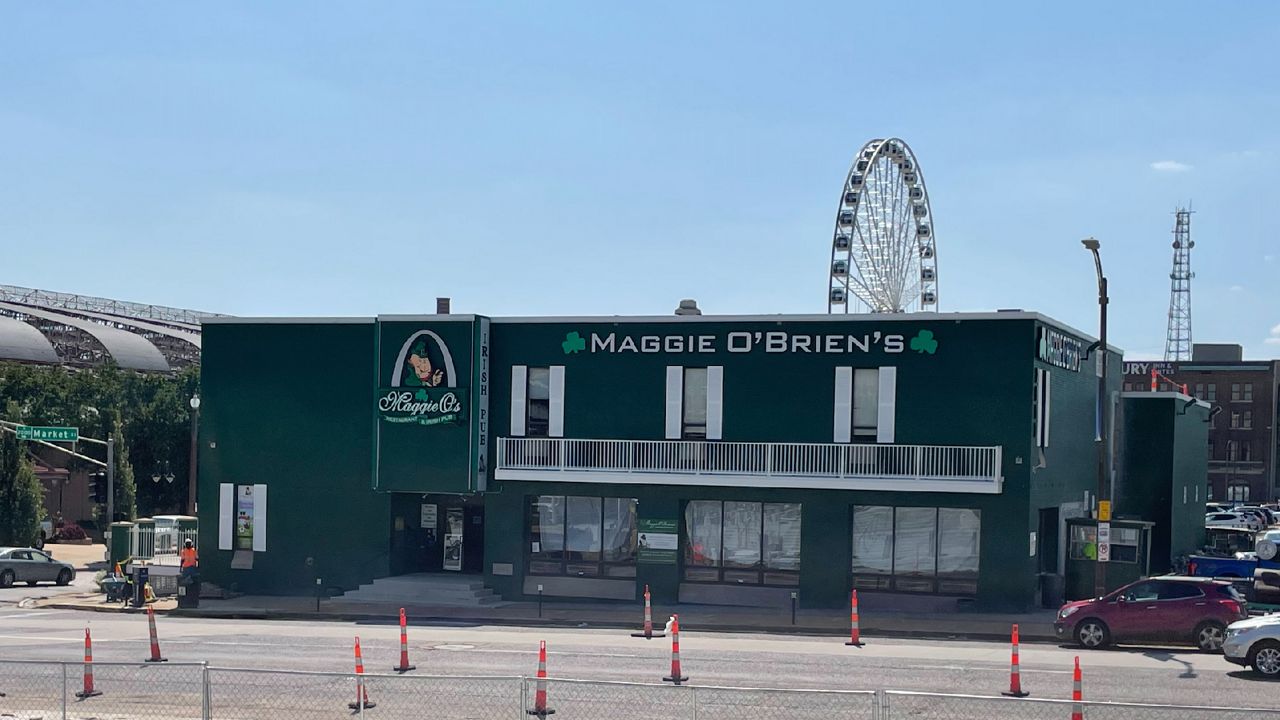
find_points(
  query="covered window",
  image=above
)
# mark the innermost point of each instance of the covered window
(582, 536)
(693, 422)
(742, 542)
(866, 401)
(1235, 392)
(916, 549)
(1124, 543)
(538, 405)
(1248, 392)
(1246, 421)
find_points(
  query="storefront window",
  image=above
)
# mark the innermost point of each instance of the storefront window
(959, 531)
(760, 542)
(916, 549)
(582, 536)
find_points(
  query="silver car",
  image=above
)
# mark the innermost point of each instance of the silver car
(32, 566)
(1255, 643)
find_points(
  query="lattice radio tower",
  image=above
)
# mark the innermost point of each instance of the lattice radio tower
(1177, 344)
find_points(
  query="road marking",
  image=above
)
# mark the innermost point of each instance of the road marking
(35, 614)
(37, 637)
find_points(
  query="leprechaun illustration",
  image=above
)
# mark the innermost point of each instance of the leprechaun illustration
(422, 370)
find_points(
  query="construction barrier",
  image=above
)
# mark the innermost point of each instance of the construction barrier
(1077, 709)
(1015, 671)
(540, 708)
(647, 632)
(855, 636)
(404, 665)
(155, 640)
(362, 693)
(88, 691)
(675, 677)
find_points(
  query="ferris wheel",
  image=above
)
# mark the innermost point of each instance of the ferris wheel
(883, 257)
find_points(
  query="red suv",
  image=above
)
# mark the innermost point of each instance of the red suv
(1165, 609)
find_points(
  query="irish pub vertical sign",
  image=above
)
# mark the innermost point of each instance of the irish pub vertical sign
(431, 404)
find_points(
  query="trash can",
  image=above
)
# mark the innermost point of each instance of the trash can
(1052, 590)
(189, 591)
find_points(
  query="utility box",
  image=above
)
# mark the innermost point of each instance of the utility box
(1129, 547)
(118, 551)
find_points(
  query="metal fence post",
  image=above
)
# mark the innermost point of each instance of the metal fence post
(524, 696)
(206, 711)
(64, 691)
(694, 692)
(881, 705)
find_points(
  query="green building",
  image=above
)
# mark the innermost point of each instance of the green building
(729, 460)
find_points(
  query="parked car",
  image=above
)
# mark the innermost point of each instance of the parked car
(31, 566)
(1210, 508)
(1255, 643)
(1261, 513)
(1172, 609)
(1232, 519)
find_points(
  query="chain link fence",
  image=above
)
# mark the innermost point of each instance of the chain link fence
(141, 691)
(175, 691)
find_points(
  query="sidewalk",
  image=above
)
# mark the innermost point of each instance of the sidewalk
(1036, 626)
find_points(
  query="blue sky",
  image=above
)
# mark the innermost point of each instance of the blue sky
(602, 158)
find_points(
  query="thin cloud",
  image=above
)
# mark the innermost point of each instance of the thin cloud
(1169, 166)
(1275, 331)
(1268, 258)
(1237, 288)
(1272, 341)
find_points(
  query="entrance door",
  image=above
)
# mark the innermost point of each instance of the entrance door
(1048, 540)
(454, 537)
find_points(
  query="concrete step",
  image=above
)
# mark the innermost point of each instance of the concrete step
(423, 588)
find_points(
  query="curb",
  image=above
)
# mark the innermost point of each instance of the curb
(1003, 636)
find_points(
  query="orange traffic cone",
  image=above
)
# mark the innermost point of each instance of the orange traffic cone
(362, 692)
(1077, 707)
(155, 641)
(540, 693)
(648, 633)
(855, 637)
(89, 690)
(675, 677)
(404, 665)
(1015, 673)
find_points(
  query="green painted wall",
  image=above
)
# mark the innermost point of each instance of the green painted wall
(1163, 476)
(289, 405)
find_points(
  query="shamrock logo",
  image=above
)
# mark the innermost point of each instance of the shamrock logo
(924, 342)
(573, 343)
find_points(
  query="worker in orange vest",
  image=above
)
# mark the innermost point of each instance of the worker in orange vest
(190, 560)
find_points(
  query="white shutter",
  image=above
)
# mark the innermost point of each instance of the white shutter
(519, 387)
(1043, 408)
(555, 424)
(715, 402)
(259, 518)
(843, 419)
(888, 404)
(226, 514)
(675, 396)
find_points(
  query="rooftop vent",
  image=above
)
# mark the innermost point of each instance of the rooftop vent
(688, 307)
(442, 306)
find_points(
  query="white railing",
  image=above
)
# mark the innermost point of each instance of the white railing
(148, 543)
(943, 467)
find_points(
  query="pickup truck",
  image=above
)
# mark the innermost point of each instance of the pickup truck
(1248, 560)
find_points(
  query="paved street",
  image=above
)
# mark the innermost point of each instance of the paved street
(1131, 674)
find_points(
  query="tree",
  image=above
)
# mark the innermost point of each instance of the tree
(126, 488)
(21, 496)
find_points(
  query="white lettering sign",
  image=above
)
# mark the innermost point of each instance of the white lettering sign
(772, 342)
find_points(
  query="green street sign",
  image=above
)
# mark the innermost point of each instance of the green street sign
(48, 434)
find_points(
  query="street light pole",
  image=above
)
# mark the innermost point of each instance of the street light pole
(1100, 575)
(111, 479)
(191, 470)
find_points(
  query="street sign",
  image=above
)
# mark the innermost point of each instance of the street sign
(1104, 542)
(1104, 511)
(48, 434)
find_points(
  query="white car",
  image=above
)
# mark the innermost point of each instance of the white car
(1231, 519)
(1255, 643)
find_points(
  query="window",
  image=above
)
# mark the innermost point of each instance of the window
(1211, 393)
(1246, 451)
(1247, 420)
(582, 536)
(1179, 591)
(1233, 449)
(1199, 390)
(538, 404)
(1143, 592)
(1235, 420)
(1238, 493)
(745, 543)
(916, 549)
(1124, 543)
(693, 414)
(866, 401)
(1248, 392)
(1235, 392)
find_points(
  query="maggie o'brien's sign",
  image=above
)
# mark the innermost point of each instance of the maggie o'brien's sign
(768, 341)
(423, 406)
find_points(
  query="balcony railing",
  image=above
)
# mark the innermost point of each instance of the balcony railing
(920, 468)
